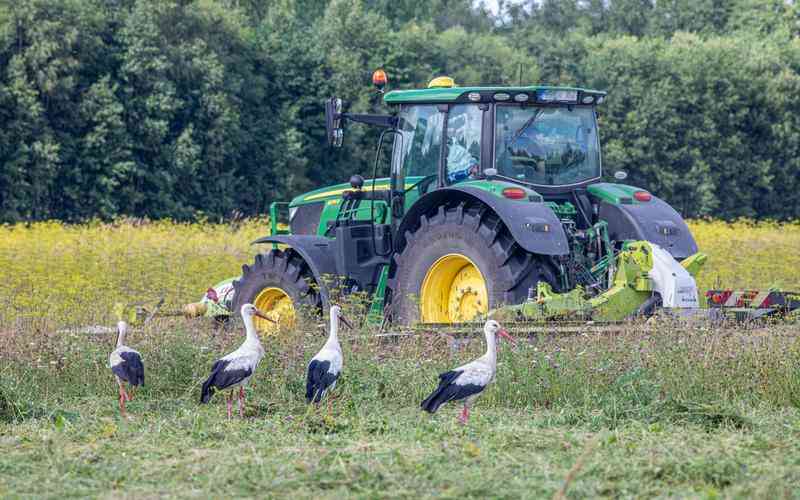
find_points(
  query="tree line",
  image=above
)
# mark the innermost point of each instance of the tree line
(201, 109)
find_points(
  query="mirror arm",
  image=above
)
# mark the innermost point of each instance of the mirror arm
(384, 121)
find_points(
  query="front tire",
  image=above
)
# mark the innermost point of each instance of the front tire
(279, 283)
(458, 264)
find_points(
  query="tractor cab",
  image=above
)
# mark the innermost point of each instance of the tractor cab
(533, 140)
(543, 139)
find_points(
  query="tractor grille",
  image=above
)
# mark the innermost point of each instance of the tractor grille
(306, 219)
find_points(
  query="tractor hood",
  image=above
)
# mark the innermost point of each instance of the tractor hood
(335, 191)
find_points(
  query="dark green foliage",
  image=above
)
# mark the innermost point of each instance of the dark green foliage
(190, 109)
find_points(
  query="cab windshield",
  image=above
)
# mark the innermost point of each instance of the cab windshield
(547, 146)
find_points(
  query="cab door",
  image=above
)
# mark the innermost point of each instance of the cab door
(417, 152)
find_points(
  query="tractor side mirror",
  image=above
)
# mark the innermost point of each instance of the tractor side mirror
(333, 122)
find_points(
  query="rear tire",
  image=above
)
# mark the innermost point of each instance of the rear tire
(276, 281)
(464, 235)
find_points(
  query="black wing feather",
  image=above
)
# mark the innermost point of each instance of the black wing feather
(221, 378)
(448, 390)
(318, 379)
(131, 369)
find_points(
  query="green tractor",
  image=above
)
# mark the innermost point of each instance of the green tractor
(495, 201)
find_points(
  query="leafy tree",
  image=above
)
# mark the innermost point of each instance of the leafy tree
(199, 108)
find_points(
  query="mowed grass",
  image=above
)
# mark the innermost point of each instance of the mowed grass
(657, 409)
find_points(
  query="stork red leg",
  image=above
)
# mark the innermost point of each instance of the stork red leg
(229, 402)
(121, 400)
(130, 394)
(464, 416)
(241, 401)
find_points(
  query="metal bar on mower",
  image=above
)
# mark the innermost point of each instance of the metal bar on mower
(757, 303)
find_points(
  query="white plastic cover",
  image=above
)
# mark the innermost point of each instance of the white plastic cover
(672, 281)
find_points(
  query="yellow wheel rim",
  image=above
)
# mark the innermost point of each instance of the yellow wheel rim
(453, 291)
(278, 306)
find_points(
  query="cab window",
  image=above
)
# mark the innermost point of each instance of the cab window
(419, 146)
(463, 159)
(547, 146)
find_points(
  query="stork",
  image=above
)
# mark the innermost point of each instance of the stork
(236, 369)
(326, 365)
(468, 381)
(126, 365)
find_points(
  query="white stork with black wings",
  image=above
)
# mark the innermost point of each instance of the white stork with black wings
(467, 381)
(127, 366)
(236, 369)
(326, 366)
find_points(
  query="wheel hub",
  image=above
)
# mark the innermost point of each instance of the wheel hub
(276, 304)
(453, 291)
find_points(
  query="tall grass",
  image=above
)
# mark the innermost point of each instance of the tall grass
(749, 254)
(56, 275)
(652, 372)
(74, 274)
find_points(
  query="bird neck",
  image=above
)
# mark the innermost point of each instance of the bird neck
(121, 337)
(250, 328)
(333, 337)
(491, 347)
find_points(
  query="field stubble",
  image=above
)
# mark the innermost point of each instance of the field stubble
(657, 409)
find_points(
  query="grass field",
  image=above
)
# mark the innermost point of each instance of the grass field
(655, 410)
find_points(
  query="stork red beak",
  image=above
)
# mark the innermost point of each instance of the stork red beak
(346, 323)
(506, 336)
(264, 316)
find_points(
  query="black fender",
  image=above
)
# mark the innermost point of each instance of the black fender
(654, 221)
(316, 251)
(532, 224)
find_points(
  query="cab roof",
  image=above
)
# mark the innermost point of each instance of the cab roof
(487, 94)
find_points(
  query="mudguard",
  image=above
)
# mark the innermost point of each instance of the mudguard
(317, 253)
(654, 221)
(534, 226)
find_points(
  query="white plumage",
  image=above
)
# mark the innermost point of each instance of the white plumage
(326, 366)
(236, 369)
(127, 366)
(468, 381)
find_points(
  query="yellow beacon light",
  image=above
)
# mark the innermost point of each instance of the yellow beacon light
(441, 82)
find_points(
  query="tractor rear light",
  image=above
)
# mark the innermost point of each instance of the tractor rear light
(642, 196)
(514, 193)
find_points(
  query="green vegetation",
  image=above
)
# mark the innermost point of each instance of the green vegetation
(203, 108)
(655, 409)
